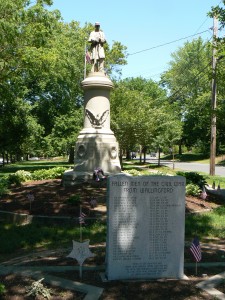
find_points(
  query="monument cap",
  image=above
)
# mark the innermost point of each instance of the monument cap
(97, 24)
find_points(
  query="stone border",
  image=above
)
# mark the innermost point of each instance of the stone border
(210, 284)
(36, 272)
(22, 219)
(92, 292)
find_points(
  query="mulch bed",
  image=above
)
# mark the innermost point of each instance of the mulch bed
(51, 198)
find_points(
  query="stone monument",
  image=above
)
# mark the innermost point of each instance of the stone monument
(96, 145)
(145, 230)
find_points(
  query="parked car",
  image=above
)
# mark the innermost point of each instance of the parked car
(33, 158)
(153, 154)
(133, 155)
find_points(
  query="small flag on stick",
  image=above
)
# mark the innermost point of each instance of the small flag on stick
(81, 218)
(203, 193)
(196, 249)
(88, 57)
(93, 202)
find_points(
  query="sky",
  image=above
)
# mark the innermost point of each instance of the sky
(142, 25)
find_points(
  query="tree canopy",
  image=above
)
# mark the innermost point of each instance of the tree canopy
(42, 66)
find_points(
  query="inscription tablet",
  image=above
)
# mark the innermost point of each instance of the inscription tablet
(145, 228)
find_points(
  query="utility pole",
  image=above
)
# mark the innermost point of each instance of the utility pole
(213, 101)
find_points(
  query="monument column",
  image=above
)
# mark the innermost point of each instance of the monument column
(96, 145)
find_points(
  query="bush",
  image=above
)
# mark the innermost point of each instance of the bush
(23, 175)
(4, 186)
(192, 189)
(13, 179)
(48, 174)
(193, 178)
(74, 200)
(19, 177)
(2, 289)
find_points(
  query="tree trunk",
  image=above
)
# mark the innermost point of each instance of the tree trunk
(144, 152)
(128, 156)
(140, 150)
(71, 155)
(159, 156)
(180, 148)
(3, 159)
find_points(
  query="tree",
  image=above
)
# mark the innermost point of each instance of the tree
(188, 82)
(42, 66)
(138, 110)
(65, 132)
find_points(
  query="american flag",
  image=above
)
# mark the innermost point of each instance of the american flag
(88, 57)
(81, 218)
(30, 197)
(196, 249)
(203, 193)
(93, 202)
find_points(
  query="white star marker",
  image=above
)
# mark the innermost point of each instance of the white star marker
(81, 251)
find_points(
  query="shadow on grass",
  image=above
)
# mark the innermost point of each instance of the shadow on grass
(186, 157)
(34, 236)
(31, 166)
(221, 163)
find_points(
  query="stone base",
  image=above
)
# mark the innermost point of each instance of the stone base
(96, 145)
(71, 178)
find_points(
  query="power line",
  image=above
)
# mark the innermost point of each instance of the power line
(206, 19)
(182, 70)
(129, 54)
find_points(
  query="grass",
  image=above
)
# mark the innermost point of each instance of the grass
(145, 168)
(187, 157)
(31, 166)
(35, 236)
(210, 224)
(195, 157)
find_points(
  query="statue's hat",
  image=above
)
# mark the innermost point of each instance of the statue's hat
(97, 24)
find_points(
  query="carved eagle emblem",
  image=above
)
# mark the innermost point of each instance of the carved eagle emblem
(98, 120)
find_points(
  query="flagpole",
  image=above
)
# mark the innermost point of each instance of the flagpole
(196, 268)
(80, 268)
(85, 61)
(80, 225)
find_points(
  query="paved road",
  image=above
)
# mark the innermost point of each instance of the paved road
(189, 166)
(196, 167)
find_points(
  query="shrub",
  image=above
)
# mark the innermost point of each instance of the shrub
(19, 177)
(192, 189)
(13, 179)
(2, 289)
(74, 200)
(4, 186)
(194, 178)
(23, 175)
(132, 172)
(48, 174)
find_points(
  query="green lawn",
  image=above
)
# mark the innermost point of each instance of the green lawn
(33, 236)
(31, 166)
(206, 225)
(191, 157)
